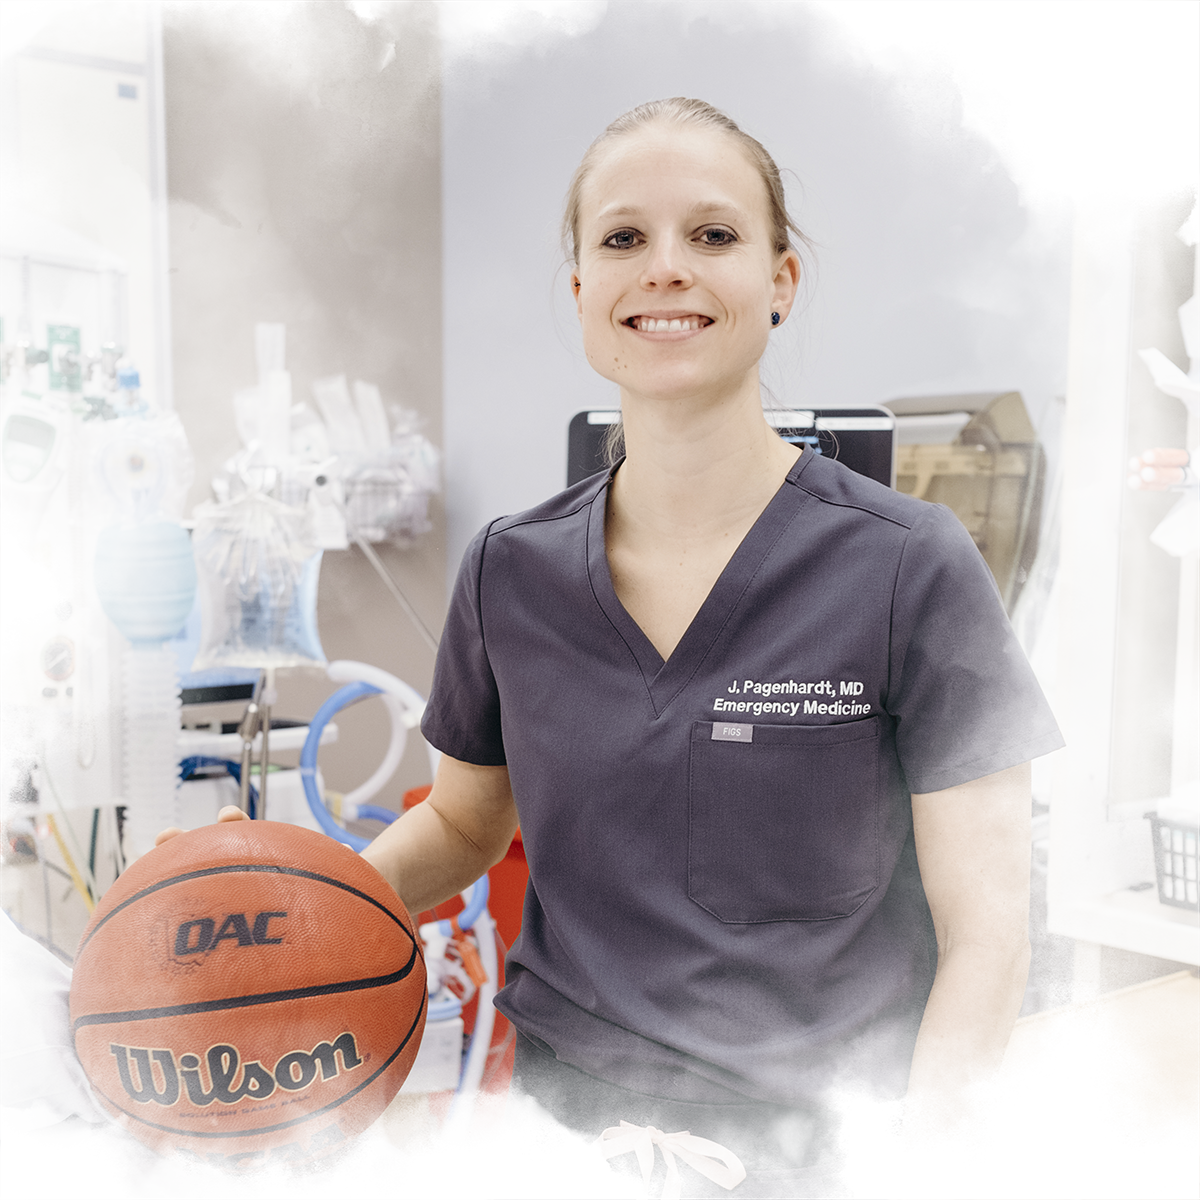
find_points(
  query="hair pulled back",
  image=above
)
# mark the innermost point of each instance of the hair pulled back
(679, 110)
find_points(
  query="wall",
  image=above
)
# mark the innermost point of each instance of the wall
(80, 179)
(303, 149)
(932, 276)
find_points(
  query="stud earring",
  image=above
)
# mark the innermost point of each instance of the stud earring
(774, 318)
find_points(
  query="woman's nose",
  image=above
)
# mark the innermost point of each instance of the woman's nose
(666, 265)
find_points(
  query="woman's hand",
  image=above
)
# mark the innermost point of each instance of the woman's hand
(230, 812)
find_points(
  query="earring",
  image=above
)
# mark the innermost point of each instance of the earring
(774, 318)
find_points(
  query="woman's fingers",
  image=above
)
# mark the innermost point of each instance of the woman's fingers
(230, 812)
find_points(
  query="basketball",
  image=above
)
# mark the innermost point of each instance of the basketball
(246, 993)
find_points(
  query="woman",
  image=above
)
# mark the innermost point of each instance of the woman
(763, 721)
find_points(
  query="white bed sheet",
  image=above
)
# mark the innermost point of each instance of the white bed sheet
(78, 1161)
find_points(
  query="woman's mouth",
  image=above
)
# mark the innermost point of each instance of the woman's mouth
(685, 324)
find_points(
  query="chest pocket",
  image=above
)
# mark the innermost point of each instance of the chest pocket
(785, 827)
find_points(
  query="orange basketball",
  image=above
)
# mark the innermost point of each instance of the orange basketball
(248, 992)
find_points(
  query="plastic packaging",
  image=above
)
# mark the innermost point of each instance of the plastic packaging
(342, 423)
(258, 570)
(377, 433)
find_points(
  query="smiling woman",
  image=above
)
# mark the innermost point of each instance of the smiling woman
(729, 923)
(738, 911)
(681, 116)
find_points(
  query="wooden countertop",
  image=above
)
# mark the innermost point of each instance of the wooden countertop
(1120, 1074)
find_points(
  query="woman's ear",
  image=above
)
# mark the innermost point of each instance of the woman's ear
(576, 288)
(787, 283)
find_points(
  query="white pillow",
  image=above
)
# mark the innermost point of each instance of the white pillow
(41, 1080)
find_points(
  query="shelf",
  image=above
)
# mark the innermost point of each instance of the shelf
(1132, 921)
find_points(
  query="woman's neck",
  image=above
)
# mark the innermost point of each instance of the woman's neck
(692, 469)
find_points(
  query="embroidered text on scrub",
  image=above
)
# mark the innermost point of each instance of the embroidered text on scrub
(711, 1159)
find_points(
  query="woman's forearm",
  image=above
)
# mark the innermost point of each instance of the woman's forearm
(967, 1021)
(444, 844)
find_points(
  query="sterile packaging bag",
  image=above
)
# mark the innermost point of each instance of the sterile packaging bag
(258, 567)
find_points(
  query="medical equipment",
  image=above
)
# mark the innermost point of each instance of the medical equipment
(39, 639)
(258, 571)
(33, 438)
(862, 438)
(145, 580)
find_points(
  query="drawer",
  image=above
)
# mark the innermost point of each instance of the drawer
(1047, 1164)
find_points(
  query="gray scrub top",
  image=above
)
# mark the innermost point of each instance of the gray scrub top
(724, 901)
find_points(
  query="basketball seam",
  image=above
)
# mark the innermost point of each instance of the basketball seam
(236, 1133)
(233, 869)
(228, 1002)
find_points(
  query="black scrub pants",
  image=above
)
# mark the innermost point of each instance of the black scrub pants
(786, 1152)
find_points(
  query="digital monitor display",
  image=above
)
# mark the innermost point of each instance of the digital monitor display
(34, 433)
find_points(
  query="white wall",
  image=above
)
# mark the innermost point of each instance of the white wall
(932, 277)
(79, 151)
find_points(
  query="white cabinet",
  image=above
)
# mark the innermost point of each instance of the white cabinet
(1125, 616)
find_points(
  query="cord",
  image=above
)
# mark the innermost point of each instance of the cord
(189, 766)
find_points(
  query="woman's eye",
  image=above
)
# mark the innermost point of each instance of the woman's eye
(623, 239)
(718, 237)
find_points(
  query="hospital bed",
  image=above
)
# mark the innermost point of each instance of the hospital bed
(57, 1141)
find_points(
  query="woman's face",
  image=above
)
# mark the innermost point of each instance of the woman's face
(677, 277)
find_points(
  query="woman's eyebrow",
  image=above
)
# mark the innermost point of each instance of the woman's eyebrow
(705, 208)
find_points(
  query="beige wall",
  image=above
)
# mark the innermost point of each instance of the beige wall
(304, 176)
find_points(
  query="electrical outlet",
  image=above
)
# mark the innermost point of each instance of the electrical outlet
(10, 899)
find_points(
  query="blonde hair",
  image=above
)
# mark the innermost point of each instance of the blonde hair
(680, 110)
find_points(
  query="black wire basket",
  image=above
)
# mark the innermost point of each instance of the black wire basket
(1175, 861)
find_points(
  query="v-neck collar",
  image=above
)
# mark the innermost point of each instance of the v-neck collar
(665, 680)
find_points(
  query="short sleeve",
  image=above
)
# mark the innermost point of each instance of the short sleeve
(963, 694)
(462, 717)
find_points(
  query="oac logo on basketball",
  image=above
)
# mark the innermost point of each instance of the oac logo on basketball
(202, 935)
(229, 1080)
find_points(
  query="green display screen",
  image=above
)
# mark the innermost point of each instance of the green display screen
(35, 433)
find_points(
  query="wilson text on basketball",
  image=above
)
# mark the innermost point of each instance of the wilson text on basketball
(154, 1075)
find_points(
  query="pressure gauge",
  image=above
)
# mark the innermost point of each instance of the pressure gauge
(58, 658)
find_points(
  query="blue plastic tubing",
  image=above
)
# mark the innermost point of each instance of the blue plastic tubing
(349, 694)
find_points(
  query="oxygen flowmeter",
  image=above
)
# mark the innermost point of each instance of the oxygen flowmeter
(33, 439)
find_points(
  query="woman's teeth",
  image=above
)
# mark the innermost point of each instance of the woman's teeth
(675, 325)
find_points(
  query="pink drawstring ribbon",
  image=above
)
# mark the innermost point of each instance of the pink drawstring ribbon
(697, 1152)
